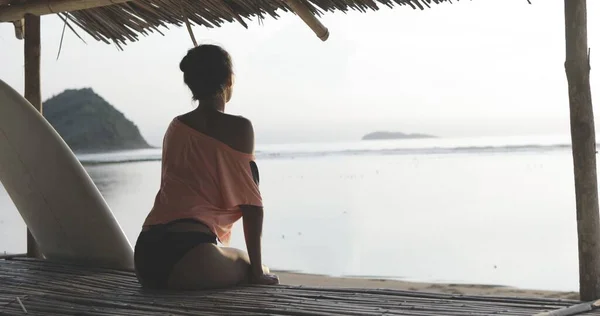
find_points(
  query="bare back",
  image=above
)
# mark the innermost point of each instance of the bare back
(234, 131)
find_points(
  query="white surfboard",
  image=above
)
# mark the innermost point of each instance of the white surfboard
(57, 199)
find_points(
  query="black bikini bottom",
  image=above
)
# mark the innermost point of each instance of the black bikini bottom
(157, 250)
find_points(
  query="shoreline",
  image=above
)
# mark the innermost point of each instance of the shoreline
(316, 280)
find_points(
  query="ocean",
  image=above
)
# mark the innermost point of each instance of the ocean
(471, 210)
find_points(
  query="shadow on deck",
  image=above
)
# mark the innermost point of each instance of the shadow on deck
(36, 287)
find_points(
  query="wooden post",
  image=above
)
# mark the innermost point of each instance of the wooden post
(583, 139)
(32, 89)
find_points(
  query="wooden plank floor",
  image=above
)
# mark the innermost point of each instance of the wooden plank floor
(35, 287)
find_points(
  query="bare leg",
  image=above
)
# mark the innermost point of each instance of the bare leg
(243, 255)
(237, 253)
(208, 266)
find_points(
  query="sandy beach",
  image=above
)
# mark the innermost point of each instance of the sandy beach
(291, 278)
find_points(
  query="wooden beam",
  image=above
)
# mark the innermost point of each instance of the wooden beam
(18, 11)
(310, 19)
(19, 28)
(32, 89)
(583, 139)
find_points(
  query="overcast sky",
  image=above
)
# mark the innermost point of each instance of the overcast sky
(481, 67)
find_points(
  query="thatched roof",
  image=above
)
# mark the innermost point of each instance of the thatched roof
(124, 22)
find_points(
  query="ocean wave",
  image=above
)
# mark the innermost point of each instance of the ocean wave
(291, 154)
(116, 160)
(410, 151)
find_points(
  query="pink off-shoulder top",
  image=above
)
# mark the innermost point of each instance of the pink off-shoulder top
(203, 179)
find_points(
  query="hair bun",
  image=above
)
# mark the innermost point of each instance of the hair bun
(207, 70)
(184, 64)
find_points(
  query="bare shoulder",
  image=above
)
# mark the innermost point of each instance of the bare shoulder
(240, 133)
(242, 123)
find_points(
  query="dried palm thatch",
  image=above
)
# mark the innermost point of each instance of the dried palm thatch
(121, 22)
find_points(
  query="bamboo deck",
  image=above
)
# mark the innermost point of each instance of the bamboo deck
(35, 287)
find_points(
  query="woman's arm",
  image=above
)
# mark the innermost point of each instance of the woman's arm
(253, 219)
(253, 222)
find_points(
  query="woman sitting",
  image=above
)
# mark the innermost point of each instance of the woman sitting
(209, 181)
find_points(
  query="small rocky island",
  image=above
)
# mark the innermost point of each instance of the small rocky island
(394, 135)
(88, 123)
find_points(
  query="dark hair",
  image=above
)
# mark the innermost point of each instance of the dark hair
(207, 71)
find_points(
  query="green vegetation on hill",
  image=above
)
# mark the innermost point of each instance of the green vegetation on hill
(88, 123)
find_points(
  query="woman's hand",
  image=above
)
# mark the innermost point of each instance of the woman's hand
(265, 279)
